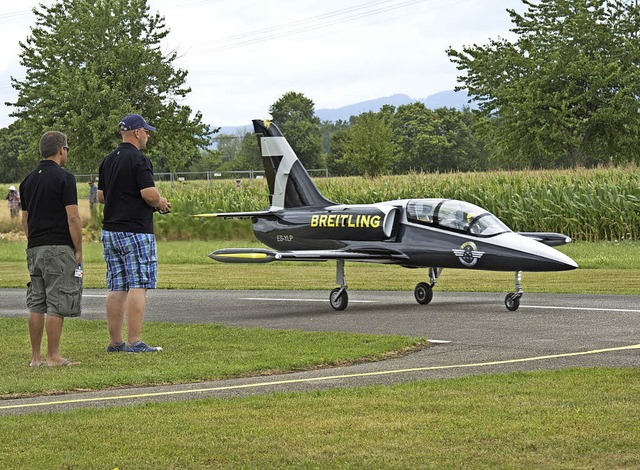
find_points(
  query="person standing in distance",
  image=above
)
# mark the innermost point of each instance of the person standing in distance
(51, 220)
(128, 192)
(13, 202)
(93, 196)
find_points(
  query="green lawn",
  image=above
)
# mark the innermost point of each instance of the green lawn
(573, 419)
(185, 265)
(582, 418)
(197, 353)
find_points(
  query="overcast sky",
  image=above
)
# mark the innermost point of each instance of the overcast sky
(242, 55)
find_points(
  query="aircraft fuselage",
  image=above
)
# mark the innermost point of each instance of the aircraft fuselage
(394, 227)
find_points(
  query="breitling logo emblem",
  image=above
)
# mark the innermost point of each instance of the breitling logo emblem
(468, 254)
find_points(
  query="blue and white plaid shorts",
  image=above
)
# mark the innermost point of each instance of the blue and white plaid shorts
(132, 262)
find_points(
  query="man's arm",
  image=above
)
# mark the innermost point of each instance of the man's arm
(152, 197)
(100, 196)
(75, 229)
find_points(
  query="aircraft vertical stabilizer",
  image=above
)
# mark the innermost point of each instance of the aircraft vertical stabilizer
(289, 183)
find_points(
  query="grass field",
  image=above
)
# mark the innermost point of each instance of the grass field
(185, 265)
(583, 418)
(572, 419)
(197, 353)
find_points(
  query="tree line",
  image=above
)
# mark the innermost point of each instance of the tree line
(563, 93)
(409, 138)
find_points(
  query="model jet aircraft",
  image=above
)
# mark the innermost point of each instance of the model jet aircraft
(302, 225)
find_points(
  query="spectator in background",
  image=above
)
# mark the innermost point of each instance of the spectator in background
(93, 195)
(13, 202)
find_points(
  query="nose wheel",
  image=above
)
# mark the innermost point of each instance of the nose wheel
(512, 300)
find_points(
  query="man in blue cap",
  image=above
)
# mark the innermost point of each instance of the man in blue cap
(127, 189)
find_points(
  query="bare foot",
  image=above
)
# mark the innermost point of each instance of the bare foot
(62, 363)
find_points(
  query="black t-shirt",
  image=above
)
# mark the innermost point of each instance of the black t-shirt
(122, 175)
(46, 192)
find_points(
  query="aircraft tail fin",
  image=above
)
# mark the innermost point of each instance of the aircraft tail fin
(289, 183)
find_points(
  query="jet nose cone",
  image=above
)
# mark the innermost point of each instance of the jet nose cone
(550, 259)
(565, 263)
(532, 255)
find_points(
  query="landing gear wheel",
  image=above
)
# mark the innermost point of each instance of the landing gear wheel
(339, 299)
(423, 293)
(512, 302)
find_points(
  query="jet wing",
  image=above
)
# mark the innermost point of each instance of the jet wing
(549, 239)
(258, 255)
(238, 215)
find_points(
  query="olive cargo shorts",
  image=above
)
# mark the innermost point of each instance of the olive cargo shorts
(54, 289)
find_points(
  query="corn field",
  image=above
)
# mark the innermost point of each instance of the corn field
(587, 205)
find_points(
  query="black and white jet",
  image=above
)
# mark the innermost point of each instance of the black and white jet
(302, 225)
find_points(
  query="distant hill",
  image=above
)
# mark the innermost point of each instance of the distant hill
(234, 130)
(443, 99)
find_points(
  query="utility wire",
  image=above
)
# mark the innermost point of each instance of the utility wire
(307, 24)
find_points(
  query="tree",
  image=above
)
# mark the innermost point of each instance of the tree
(91, 62)
(229, 145)
(13, 142)
(419, 140)
(566, 91)
(248, 155)
(294, 115)
(369, 147)
(461, 150)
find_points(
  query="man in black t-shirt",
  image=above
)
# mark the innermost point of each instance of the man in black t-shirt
(51, 220)
(127, 189)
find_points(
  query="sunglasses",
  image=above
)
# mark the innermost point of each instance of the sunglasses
(65, 147)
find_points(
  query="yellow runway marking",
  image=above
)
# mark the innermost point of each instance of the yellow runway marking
(318, 379)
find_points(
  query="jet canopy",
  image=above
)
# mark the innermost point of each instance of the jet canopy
(454, 215)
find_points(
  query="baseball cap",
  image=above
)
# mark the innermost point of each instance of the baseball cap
(134, 121)
(12, 188)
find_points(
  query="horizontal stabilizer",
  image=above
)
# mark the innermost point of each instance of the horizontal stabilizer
(237, 215)
(549, 239)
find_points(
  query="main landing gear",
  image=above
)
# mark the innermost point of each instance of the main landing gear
(339, 297)
(424, 291)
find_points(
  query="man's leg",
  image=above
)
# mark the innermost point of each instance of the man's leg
(115, 315)
(53, 326)
(134, 308)
(36, 330)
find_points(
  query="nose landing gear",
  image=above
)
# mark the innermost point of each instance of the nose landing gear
(512, 300)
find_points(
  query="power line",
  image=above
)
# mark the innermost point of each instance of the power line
(312, 23)
(302, 21)
(10, 17)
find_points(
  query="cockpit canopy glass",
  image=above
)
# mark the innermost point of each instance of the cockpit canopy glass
(455, 215)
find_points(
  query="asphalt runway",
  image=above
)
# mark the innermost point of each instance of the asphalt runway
(472, 333)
